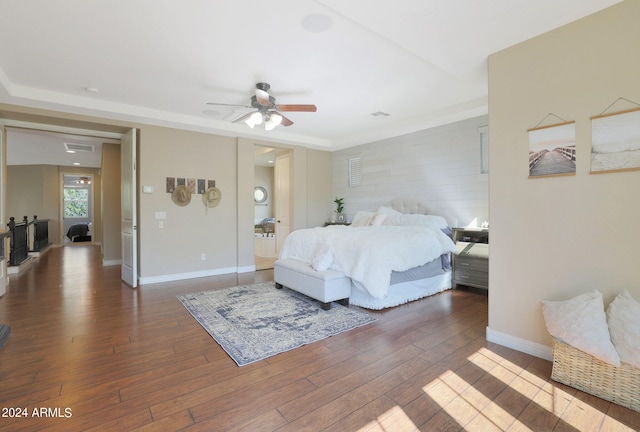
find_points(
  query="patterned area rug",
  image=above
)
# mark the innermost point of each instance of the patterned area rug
(5, 331)
(254, 322)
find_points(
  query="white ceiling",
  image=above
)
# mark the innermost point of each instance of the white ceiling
(160, 61)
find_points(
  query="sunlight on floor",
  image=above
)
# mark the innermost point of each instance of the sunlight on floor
(471, 408)
(502, 396)
(393, 420)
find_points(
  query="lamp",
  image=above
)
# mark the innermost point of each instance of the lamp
(273, 120)
(84, 180)
(254, 119)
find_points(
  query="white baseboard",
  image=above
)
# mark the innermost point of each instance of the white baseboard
(522, 345)
(188, 275)
(246, 269)
(111, 262)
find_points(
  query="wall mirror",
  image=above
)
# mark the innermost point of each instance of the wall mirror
(259, 195)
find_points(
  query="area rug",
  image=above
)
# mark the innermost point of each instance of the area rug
(5, 331)
(254, 322)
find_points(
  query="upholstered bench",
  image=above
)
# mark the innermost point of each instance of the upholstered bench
(325, 286)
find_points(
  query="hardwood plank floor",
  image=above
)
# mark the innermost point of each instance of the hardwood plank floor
(87, 352)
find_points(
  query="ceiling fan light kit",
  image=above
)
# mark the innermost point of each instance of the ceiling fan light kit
(267, 110)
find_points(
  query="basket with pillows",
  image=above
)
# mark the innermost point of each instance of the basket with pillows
(594, 351)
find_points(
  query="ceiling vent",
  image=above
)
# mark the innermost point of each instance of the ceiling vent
(79, 147)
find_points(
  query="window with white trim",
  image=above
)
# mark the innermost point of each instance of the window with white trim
(76, 202)
(355, 171)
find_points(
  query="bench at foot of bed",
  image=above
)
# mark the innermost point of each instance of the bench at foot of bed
(325, 286)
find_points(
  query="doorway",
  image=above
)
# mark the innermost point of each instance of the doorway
(38, 154)
(77, 210)
(271, 190)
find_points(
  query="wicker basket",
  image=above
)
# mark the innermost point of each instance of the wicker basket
(577, 369)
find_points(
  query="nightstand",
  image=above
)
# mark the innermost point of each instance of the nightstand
(471, 258)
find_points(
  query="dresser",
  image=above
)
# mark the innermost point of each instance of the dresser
(471, 258)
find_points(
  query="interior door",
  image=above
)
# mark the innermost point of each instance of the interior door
(282, 196)
(129, 217)
(3, 195)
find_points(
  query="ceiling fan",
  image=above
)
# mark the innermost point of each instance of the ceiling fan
(267, 111)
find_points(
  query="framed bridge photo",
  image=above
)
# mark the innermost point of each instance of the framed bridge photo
(615, 142)
(552, 150)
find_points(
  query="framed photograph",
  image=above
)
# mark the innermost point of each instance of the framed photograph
(191, 185)
(552, 150)
(615, 142)
(171, 184)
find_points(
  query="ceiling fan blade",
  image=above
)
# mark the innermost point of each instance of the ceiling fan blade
(262, 97)
(230, 105)
(298, 107)
(244, 117)
(285, 121)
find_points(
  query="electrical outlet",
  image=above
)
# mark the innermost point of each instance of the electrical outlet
(203, 257)
(160, 224)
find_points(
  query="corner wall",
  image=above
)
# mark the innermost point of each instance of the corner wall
(557, 237)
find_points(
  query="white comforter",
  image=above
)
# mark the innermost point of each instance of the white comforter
(369, 254)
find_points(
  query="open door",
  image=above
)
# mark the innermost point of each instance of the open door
(129, 216)
(3, 197)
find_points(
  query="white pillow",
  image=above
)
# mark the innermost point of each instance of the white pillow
(581, 322)
(388, 211)
(431, 221)
(623, 316)
(361, 218)
(322, 257)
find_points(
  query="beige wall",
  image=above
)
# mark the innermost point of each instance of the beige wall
(554, 238)
(191, 230)
(223, 233)
(320, 187)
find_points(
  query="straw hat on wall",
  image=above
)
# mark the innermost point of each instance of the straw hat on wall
(181, 196)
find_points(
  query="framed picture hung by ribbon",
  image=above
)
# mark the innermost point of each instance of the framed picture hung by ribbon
(615, 141)
(552, 150)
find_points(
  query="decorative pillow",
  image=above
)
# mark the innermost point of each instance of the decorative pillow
(581, 322)
(432, 221)
(322, 257)
(361, 218)
(376, 220)
(623, 316)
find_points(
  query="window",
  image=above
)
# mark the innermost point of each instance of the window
(76, 202)
(355, 171)
(484, 149)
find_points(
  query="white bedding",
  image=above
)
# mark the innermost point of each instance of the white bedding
(369, 254)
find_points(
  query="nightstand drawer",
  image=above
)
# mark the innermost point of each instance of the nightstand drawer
(471, 277)
(464, 263)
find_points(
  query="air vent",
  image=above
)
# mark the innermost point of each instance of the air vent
(79, 147)
(379, 114)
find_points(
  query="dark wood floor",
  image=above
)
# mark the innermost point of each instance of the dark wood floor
(99, 355)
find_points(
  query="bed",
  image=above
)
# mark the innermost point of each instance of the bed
(79, 232)
(389, 257)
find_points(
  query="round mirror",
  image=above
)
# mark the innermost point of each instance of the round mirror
(259, 194)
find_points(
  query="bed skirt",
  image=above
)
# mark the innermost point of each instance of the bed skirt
(402, 293)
